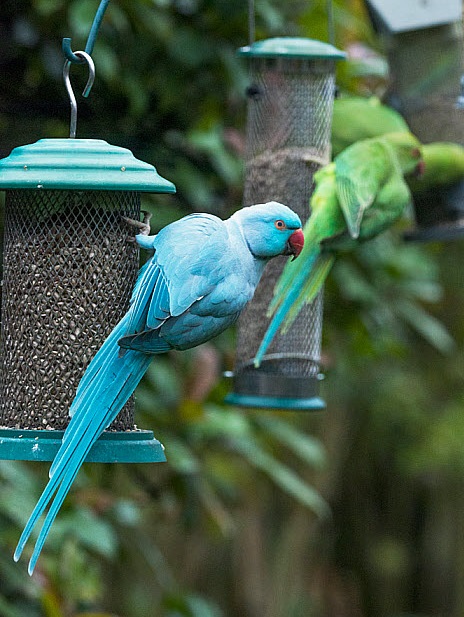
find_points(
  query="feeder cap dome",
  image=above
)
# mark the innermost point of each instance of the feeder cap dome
(292, 47)
(79, 164)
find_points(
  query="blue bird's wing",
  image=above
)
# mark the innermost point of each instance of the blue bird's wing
(179, 272)
(185, 269)
(189, 255)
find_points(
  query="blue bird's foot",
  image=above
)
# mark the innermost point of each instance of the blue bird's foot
(143, 226)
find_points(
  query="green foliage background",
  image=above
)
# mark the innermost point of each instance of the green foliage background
(237, 524)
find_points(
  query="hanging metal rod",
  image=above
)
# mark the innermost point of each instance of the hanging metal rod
(72, 99)
(251, 22)
(330, 22)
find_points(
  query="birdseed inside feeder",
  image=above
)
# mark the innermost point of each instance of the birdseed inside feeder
(290, 102)
(68, 274)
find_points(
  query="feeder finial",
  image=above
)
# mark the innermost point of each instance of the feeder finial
(86, 91)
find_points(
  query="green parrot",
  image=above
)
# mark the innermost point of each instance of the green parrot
(357, 196)
(444, 165)
(355, 118)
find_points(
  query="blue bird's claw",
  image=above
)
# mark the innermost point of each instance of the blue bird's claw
(143, 226)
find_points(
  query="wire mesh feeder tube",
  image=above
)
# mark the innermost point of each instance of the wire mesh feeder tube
(288, 139)
(68, 273)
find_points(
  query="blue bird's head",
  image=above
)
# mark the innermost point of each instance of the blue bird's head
(270, 229)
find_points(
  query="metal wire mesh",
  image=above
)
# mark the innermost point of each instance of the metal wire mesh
(288, 140)
(67, 279)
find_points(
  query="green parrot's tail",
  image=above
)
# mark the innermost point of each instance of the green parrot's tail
(311, 288)
(303, 289)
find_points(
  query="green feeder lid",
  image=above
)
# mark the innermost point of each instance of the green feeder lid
(292, 47)
(79, 164)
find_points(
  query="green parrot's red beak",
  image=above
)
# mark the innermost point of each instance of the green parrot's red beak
(420, 169)
(296, 243)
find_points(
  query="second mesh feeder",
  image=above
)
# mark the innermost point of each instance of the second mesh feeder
(288, 140)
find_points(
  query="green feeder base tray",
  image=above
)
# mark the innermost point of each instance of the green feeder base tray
(111, 447)
(258, 388)
(314, 403)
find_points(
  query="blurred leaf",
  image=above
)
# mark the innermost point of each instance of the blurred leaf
(309, 449)
(368, 67)
(47, 7)
(81, 16)
(94, 533)
(284, 477)
(181, 457)
(127, 513)
(95, 615)
(8, 610)
(108, 61)
(51, 604)
(190, 606)
(211, 142)
(429, 327)
(226, 423)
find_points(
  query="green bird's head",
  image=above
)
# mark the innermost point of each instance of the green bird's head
(408, 150)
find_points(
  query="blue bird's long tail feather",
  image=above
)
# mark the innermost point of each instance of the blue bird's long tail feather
(297, 291)
(104, 389)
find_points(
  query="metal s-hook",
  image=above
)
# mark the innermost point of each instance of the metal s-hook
(83, 56)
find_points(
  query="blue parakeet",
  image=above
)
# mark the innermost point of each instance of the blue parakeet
(203, 272)
(357, 196)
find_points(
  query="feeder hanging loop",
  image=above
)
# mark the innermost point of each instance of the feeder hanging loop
(66, 45)
(72, 99)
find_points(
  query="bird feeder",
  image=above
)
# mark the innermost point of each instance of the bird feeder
(68, 273)
(290, 103)
(424, 45)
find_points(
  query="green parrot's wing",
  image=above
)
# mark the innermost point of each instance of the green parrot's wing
(359, 173)
(354, 199)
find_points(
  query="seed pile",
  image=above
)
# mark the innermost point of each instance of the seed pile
(68, 275)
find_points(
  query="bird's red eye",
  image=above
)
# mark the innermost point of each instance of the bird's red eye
(280, 224)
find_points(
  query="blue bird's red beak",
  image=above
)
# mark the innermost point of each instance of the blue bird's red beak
(296, 243)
